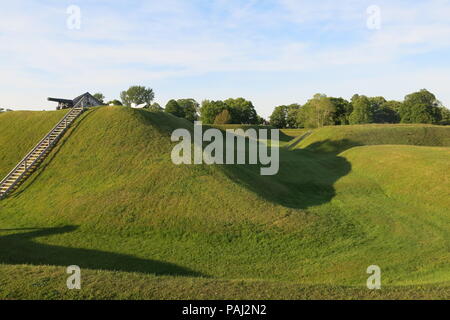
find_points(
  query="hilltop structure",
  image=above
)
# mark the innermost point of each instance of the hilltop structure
(86, 100)
(38, 154)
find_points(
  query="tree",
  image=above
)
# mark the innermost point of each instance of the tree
(183, 108)
(394, 105)
(324, 110)
(242, 111)
(317, 112)
(278, 119)
(223, 118)
(285, 116)
(303, 117)
(445, 115)
(387, 112)
(292, 115)
(261, 121)
(155, 107)
(362, 110)
(174, 108)
(99, 96)
(211, 109)
(376, 102)
(190, 108)
(137, 95)
(343, 110)
(420, 107)
(114, 103)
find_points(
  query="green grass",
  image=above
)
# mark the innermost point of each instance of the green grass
(286, 135)
(26, 127)
(294, 133)
(338, 139)
(46, 282)
(110, 200)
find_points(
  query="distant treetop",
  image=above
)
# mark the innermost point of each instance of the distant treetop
(137, 95)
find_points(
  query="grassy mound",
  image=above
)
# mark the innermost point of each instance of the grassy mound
(338, 139)
(286, 135)
(110, 200)
(20, 131)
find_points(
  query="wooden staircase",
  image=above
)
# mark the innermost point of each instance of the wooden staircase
(32, 160)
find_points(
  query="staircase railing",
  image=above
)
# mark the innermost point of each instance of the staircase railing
(51, 142)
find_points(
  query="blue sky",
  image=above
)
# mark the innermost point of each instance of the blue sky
(269, 51)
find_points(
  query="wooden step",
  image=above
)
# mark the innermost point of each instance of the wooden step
(31, 163)
(35, 155)
(8, 184)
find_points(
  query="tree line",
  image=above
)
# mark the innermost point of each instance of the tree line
(319, 111)
(417, 107)
(230, 111)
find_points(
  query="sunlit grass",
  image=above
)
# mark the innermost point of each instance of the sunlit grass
(110, 200)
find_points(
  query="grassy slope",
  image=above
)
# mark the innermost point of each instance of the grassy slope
(31, 127)
(294, 133)
(111, 199)
(338, 139)
(286, 135)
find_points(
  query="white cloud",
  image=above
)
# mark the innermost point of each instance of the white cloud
(160, 41)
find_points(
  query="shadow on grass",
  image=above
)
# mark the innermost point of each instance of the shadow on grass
(305, 179)
(333, 146)
(20, 248)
